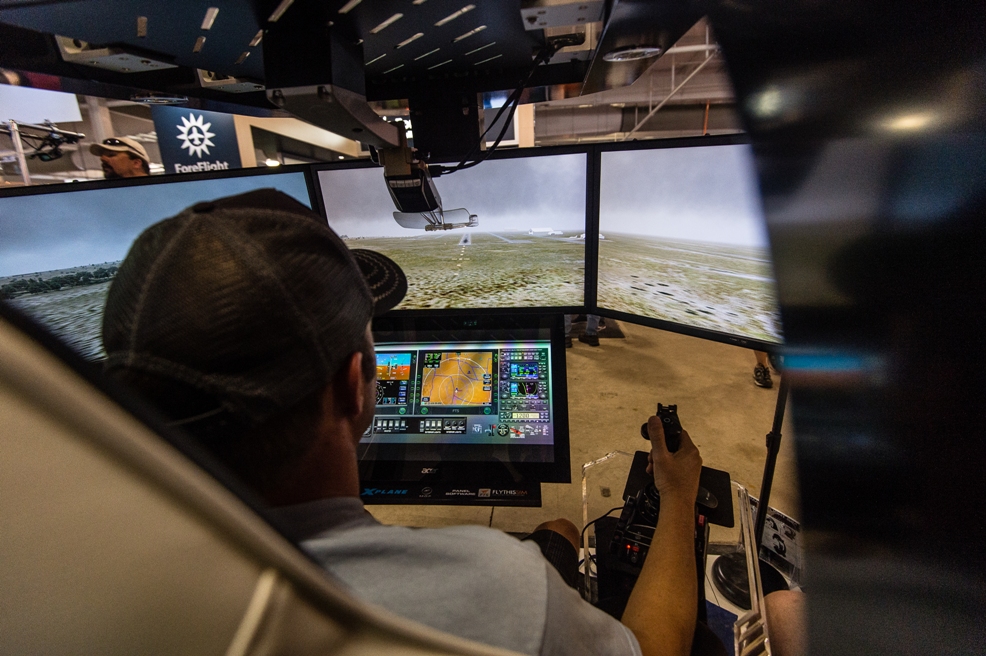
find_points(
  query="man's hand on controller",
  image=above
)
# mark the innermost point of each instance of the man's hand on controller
(675, 474)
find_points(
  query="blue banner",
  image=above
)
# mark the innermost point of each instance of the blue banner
(192, 140)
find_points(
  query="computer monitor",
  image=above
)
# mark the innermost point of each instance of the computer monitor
(465, 405)
(683, 242)
(60, 245)
(518, 240)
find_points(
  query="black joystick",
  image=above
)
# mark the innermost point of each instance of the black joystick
(672, 427)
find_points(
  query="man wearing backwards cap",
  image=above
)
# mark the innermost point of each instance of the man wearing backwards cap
(247, 321)
(122, 157)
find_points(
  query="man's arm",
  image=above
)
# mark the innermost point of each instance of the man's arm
(662, 609)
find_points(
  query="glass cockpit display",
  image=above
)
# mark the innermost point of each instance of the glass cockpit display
(493, 392)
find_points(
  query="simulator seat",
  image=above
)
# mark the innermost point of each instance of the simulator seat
(115, 542)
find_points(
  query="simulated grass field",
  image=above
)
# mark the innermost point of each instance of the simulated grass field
(717, 287)
(503, 269)
(74, 314)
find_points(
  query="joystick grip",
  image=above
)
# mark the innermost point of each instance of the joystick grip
(672, 427)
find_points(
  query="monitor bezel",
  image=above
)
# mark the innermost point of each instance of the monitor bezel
(663, 324)
(479, 472)
(91, 185)
(589, 279)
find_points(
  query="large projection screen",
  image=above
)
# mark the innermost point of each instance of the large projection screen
(682, 240)
(528, 249)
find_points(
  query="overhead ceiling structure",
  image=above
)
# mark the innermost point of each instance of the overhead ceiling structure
(323, 61)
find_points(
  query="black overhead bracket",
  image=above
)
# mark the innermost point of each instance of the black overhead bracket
(313, 69)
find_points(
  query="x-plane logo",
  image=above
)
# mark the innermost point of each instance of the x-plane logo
(194, 135)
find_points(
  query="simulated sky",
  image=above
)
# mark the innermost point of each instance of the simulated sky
(506, 195)
(706, 193)
(74, 228)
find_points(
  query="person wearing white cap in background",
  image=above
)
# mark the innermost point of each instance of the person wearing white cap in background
(122, 157)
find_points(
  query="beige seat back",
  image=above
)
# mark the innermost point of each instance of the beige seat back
(113, 542)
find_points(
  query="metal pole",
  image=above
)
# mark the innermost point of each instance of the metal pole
(773, 447)
(669, 96)
(15, 136)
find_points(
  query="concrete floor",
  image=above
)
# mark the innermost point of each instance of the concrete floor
(613, 389)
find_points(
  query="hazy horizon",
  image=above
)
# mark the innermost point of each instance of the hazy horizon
(704, 194)
(62, 230)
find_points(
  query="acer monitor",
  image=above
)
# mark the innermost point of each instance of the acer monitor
(468, 410)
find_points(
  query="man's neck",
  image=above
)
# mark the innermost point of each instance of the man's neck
(328, 470)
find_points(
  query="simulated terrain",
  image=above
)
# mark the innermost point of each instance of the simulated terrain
(483, 270)
(69, 302)
(717, 287)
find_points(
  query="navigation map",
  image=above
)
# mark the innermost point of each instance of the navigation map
(457, 378)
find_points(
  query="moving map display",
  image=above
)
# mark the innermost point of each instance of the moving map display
(514, 232)
(457, 378)
(468, 393)
(683, 239)
(59, 252)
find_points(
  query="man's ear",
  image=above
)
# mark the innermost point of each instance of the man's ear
(350, 388)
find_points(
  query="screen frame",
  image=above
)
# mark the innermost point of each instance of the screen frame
(591, 194)
(663, 324)
(89, 185)
(375, 472)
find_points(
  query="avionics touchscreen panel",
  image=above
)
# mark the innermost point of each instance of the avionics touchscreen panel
(481, 399)
(682, 239)
(511, 235)
(463, 393)
(60, 251)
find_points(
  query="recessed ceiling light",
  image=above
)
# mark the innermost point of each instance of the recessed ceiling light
(430, 52)
(346, 8)
(441, 64)
(242, 57)
(483, 61)
(279, 11)
(272, 162)
(387, 23)
(376, 59)
(391, 70)
(481, 48)
(410, 39)
(910, 122)
(469, 34)
(210, 17)
(257, 38)
(453, 16)
(199, 42)
(632, 53)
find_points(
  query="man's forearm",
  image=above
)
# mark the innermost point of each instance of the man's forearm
(662, 609)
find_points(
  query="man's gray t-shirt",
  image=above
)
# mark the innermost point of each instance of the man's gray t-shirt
(472, 581)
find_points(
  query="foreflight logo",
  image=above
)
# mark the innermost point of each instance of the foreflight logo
(194, 135)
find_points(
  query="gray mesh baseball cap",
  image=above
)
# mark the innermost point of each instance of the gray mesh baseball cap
(251, 299)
